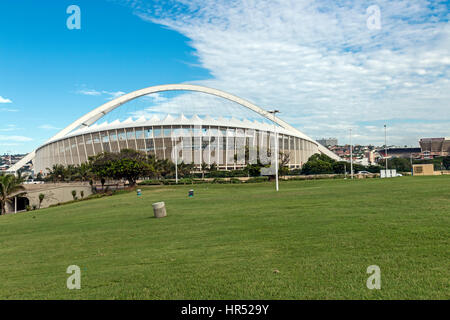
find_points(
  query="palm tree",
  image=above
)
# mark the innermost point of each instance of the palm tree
(9, 186)
(56, 173)
(20, 175)
(41, 198)
(84, 171)
(204, 167)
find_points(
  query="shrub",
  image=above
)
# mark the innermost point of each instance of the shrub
(258, 179)
(150, 182)
(219, 180)
(185, 181)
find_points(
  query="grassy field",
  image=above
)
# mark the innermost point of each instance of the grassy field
(226, 242)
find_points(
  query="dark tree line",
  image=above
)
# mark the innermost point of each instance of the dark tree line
(128, 164)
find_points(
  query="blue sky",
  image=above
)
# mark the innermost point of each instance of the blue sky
(44, 66)
(316, 61)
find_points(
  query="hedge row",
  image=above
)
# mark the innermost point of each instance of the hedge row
(200, 181)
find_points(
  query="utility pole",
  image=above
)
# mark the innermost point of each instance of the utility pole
(385, 148)
(273, 112)
(412, 171)
(176, 164)
(345, 170)
(351, 154)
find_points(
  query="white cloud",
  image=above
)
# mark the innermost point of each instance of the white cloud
(7, 144)
(318, 62)
(15, 138)
(93, 92)
(4, 100)
(10, 127)
(89, 92)
(8, 110)
(113, 94)
(48, 127)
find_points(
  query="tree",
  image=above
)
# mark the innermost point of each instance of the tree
(318, 164)
(340, 167)
(317, 167)
(184, 169)
(446, 162)
(41, 198)
(283, 168)
(213, 167)
(74, 194)
(400, 164)
(10, 187)
(20, 175)
(253, 170)
(204, 167)
(128, 164)
(56, 173)
(83, 171)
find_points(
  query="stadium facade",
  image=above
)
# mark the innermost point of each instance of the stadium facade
(435, 147)
(229, 143)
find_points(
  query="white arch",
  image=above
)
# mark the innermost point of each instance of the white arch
(96, 114)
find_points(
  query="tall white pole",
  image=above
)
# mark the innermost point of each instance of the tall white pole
(176, 165)
(276, 154)
(385, 147)
(273, 112)
(351, 154)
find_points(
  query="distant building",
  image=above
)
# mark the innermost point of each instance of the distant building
(435, 147)
(424, 170)
(328, 142)
(393, 152)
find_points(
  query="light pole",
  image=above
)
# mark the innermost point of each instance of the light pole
(176, 164)
(411, 158)
(351, 154)
(273, 112)
(385, 147)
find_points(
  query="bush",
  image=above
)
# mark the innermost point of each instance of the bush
(199, 181)
(234, 180)
(294, 172)
(257, 179)
(150, 182)
(317, 167)
(186, 181)
(219, 180)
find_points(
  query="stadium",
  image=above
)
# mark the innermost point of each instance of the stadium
(435, 147)
(222, 132)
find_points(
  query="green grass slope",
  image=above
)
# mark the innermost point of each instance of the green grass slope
(226, 242)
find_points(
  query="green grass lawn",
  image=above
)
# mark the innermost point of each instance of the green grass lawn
(226, 242)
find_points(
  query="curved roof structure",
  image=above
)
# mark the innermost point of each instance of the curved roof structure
(93, 116)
